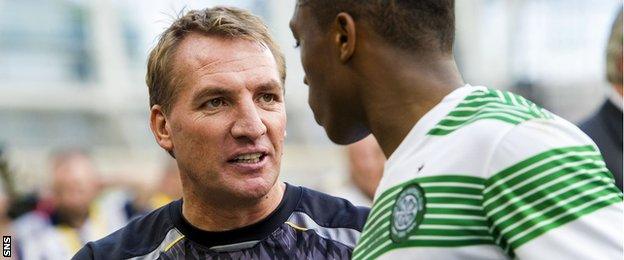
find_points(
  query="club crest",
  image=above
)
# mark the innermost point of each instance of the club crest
(407, 213)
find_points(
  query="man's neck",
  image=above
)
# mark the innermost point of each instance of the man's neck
(396, 99)
(209, 215)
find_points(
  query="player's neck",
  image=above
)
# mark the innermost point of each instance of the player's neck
(397, 98)
(222, 215)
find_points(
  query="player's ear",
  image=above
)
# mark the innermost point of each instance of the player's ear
(161, 128)
(345, 35)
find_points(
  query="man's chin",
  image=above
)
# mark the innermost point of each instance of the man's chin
(254, 188)
(344, 136)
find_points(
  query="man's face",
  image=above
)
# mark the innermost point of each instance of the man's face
(74, 186)
(331, 94)
(228, 122)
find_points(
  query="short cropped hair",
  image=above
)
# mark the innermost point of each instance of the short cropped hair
(423, 25)
(228, 22)
(614, 52)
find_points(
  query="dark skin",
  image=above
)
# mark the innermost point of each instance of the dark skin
(385, 104)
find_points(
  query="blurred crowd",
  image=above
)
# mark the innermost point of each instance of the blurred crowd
(76, 205)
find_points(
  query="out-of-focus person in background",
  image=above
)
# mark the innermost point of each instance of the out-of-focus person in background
(70, 216)
(143, 197)
(605, 126)
(366, 163)
(6, 226)
(169, 187)
(216, 86)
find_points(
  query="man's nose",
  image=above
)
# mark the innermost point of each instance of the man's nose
(248, 123)
(305, 80)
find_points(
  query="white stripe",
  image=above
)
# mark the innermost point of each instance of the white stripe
(375, 216)
(542, 212)
(453, 195)
(524, 102)
(478, 93)
(384, 200)
(362, 245)
(477, 100)
(547, 197)
(449, 216)
(368, 240)
(346, 236)
(454, 238)
(452, 206)
(491, 111)
(452, 227)
(374, 228)
(572, 211)
(513, 99)
(377, 249)
(452, 184)
(501, 96)
(533, 178)
(235, 247)
(492, 105)
(537, 164)
(518, 110)
(548, 185)
(480, 116)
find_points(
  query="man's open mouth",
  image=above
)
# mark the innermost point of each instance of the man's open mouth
(248, 158)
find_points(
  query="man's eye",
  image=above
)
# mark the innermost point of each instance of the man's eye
(215, 103)
(268, 98)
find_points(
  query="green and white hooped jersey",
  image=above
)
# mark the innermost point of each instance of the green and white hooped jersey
(487, 174)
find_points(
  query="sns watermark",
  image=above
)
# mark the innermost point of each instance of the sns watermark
(6, 246)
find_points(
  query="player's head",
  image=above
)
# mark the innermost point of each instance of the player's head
(162, 79)
(614, 53)
(216, 89)
(331, 35)
(75, 183)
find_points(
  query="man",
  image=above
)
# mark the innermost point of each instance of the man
(73, 217)
(216, 84)
(605, 126)
(168, 188)
(472, 172)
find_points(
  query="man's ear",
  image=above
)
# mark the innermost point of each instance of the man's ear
(345, 35)
(161, 128)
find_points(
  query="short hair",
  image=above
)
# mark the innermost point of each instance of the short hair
(228, 22)
(614, 52)
(423, 25)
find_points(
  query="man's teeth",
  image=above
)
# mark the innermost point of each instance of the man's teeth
(248, 158)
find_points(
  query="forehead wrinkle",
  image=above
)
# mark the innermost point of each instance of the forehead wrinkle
(214, 62)
(237, 70)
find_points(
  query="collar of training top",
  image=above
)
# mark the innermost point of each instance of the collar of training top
(257, 231)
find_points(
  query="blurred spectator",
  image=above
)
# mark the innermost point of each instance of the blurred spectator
(5, 201)
(67, 217)
(366, 165)
(169, 187)
(605, 126)
(146, 198)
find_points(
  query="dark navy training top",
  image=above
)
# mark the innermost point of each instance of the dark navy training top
(306, 225)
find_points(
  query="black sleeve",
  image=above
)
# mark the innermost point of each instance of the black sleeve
(85, 253)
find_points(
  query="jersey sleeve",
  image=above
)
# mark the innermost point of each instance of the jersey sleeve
(549, 195)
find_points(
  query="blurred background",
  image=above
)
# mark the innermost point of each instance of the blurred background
(72, 76)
